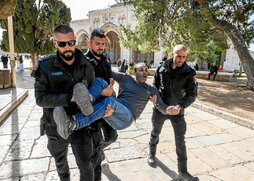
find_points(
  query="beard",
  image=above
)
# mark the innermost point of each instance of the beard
(97, 54)
(68, 57)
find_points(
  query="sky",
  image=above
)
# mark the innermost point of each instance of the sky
(80, 8)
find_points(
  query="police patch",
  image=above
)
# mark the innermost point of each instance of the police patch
(57, 73)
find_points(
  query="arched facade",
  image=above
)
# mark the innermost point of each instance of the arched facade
(82, 38)
(109, 20)
(113, 45)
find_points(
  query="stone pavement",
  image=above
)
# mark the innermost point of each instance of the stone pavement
(218, 150)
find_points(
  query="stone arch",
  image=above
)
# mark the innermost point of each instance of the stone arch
(113, 48)
(82, 37)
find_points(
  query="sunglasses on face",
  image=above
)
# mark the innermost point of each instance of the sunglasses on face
(63, 43)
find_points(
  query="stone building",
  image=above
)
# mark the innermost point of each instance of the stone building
(111, 18)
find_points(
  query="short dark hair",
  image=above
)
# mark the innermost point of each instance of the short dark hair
(98, 33)
(64, 29)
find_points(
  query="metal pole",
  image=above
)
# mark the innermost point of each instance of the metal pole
(11, 47)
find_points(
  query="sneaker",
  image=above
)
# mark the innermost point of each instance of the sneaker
(186, 176)
(82, 98)
(65, 124)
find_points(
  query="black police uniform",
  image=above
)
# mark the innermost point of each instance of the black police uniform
(103, 70)
(53, 87)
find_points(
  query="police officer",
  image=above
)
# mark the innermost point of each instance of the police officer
(102, 68)
(176, 83)
(55, 78)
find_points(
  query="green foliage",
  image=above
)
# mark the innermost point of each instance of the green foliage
(33, 23)
(165, 23)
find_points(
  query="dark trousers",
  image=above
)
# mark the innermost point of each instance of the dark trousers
(179, 126)
(103, 135)
(82, 147)
(109, 134)
(212, 73)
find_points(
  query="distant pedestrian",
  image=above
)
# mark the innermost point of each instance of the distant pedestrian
(196, 66)
(21, 66)
(221, 68)
(123, 66)
(213, 71)
(5, 61)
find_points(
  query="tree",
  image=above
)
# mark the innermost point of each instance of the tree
(7, 8)
(33, 23)
(201, 25)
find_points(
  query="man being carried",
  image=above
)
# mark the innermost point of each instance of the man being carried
(133, 96)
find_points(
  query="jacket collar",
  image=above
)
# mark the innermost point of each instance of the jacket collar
(91, 56)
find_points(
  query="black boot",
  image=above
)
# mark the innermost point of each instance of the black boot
(186, 176)
(151, 156)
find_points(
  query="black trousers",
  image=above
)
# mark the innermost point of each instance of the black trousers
(109, 134)
(212, 73)
(83, 149)
(179, 126)
(102, 135)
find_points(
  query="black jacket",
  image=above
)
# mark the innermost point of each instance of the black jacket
(102, 67)
(179, 88)
(54, 84)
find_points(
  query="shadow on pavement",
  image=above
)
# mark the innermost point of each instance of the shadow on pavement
(24, 79)
(166, 170)
(107, 172)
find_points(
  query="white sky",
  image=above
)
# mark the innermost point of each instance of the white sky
(80, 8)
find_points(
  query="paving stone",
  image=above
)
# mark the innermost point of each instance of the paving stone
(8, 129)
(207, 128)
(131, 134)
(20, 150)
(223, 123)
(40, 148)
(212, 160)
(195, 165)
(193, 132)
(29, 133)
(126, 171)
(235, 173)
(226, 155)
(250, 165)
(125, 153)
(208, 178)
(193, 143)
(217, 139)
(34, 177)
(241, 132)
(243, 149)
(24, 167)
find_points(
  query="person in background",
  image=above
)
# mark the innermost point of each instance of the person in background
(5, 59)
(21, 66)
(213, 71)
(220, 68)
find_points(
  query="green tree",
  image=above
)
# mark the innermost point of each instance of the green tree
(33, 23)
(201, 25)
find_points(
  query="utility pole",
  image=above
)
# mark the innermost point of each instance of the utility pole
(11, 47)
